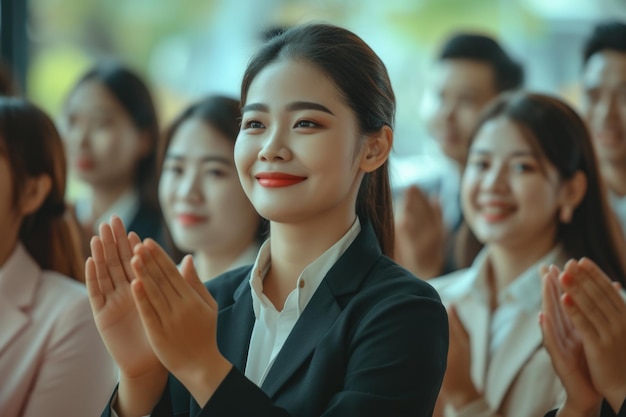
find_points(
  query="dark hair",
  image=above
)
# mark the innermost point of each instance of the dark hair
(362, 79)
(508, 74)
(133, 95)
(222, 113)
(555, 130)
(33, 148)
(606, 35)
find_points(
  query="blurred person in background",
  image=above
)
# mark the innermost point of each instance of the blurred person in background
(532, 193)
(604, 106)
(52, 360)
(206, 211)
(8, 83)
(471, 70)
(110, 130)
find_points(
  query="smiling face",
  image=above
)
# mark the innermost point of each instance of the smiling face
(200, 194)
(463, 88)
(103, 145)
(511, 196)
(604, 82)
(298, 151)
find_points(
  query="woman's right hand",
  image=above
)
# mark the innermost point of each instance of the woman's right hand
(108, 277)
(565, 347)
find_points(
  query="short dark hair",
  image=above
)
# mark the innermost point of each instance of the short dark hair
(508, 73)
(606, 35)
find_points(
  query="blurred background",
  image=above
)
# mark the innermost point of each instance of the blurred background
(188, 48)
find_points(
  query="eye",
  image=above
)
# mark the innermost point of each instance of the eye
(523, 167)
(305, 124)
(252, 124)
(173, 169)
(479, 164)
(216, 173)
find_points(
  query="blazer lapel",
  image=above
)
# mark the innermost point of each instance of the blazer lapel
(345, 277)
(524, 340)
(234, 327)
(19, 279)
(475, 318)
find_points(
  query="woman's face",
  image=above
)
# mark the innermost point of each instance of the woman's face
(510, 194)
(103, 145)
(9, 219)
(200, 194)
(299, 147)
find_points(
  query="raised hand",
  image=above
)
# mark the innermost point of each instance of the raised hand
(420, 235)
(108, 277)
(564, 345)
(458, 388)
(180, 319)
(598, 312)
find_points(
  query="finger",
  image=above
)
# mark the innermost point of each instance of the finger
(133, 240)
(150, 283)
(598, 283)
(585, 328)
(190, 275)
(147, 311)
(102, 271)
(112, 257)
(550, 315)
(586, 296)
(169, 270)
(123, 245)
(96, 298)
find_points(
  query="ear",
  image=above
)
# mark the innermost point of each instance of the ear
(572, 194)
(376, 149)
(35, 192)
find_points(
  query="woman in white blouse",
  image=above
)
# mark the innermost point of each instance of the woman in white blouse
(531, 194)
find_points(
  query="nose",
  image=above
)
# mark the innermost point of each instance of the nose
(189, 188)
(275, 146)
(608, 111)
(495, 179)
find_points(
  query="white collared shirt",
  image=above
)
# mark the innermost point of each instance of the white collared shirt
(272, 327)
(523, 294)
(126, 208)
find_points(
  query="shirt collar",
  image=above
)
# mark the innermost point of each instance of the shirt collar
(310, 278)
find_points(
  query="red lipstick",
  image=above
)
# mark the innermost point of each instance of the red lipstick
(278, 179)
(190, 219)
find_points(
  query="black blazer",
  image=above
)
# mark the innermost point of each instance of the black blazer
(148, 222)
(372, 341)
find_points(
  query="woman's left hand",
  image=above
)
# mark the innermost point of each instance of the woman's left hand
(180, 318)
(458, 388)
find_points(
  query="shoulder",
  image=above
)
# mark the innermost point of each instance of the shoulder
(63, 296)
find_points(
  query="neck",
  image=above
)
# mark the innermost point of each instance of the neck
(614, 175)
(506, 264)
(105, 196)
(211, 263)
(294, 246)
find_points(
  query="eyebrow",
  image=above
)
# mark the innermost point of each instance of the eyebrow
(295, 106)
(512, 154)
(210, 158)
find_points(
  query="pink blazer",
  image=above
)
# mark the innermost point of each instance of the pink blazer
(52, 360)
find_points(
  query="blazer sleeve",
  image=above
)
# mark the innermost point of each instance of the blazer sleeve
(396, 364)
(77, 374)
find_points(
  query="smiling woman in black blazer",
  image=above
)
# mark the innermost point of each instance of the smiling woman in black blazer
(324, 323)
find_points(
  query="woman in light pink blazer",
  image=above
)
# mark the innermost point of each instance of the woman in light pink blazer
(52, 360)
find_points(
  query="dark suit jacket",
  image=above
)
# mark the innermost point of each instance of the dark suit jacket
(372, 341)
(606, 411)
(148, 223)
